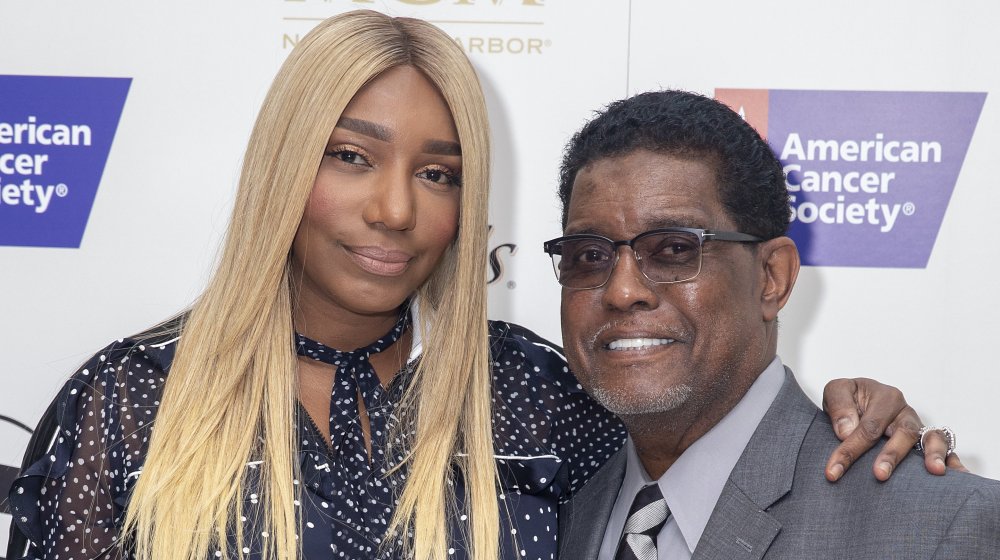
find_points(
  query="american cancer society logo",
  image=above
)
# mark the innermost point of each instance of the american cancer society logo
(869, 173)
(55, 134)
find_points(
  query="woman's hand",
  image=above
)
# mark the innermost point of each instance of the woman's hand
(862, 411)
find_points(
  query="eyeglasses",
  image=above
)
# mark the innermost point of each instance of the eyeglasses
(665, 256)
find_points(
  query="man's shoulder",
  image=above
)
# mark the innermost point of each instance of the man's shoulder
(914, 511)
(912, 515)
(910, 482)
(818, 441)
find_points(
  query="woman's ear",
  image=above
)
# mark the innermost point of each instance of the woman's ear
(780, 268)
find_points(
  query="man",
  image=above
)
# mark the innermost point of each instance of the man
(674, 267)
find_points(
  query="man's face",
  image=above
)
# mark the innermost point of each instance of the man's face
(687, 344)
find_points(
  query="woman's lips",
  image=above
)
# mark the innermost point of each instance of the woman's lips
(379, 261)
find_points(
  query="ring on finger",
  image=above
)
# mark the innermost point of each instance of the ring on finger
(948, 433)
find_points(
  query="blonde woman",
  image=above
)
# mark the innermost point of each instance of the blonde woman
(271, 443)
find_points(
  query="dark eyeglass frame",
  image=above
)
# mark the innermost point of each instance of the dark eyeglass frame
(554, 248)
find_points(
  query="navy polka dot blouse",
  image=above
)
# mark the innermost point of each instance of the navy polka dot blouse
(549, 438)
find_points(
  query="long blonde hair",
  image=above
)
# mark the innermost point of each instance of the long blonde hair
(231, 392)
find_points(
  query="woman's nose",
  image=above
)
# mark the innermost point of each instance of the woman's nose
(392, 204)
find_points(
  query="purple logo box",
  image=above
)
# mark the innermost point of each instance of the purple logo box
(869, 173)
(55, 134)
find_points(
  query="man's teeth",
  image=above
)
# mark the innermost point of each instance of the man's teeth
(632, 343)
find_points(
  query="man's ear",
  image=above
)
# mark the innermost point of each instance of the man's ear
(780, 262)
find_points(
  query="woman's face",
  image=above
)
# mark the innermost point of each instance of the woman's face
(385, 204)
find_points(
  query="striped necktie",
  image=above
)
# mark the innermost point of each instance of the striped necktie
(645, 519)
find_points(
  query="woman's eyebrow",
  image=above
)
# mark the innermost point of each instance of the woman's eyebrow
(367, 128)
(379, 132)
(442, 148)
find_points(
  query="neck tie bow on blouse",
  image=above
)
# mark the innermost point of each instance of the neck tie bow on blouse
(355, 376)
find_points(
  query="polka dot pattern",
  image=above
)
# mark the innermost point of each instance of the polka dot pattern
(549, 439)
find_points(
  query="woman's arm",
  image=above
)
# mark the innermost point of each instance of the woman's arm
(70, 502)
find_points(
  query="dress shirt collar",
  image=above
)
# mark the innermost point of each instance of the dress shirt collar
(693, 484)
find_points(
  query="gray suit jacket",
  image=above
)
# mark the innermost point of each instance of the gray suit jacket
(777, 503)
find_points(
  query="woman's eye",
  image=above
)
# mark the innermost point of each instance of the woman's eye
(347, 156)
(440, 176)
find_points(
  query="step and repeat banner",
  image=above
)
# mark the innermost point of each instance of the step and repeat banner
(122, 126)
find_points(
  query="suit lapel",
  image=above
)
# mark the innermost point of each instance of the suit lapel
(584, 518)
(740, 527)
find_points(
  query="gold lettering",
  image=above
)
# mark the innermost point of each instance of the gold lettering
(288, 41)
(419, 2)
(501, 45)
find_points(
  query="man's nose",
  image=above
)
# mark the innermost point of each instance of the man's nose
(628, 288)
(392, 204)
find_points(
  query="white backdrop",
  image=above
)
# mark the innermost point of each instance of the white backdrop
(199, 71)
